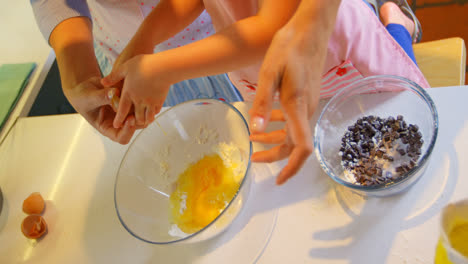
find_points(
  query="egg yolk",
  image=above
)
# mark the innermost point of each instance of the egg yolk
(202, 192)
(459, 238)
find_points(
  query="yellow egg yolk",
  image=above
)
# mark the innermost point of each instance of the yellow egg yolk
(202, 192)
(458, 237)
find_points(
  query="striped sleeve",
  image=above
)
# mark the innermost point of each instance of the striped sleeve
(49, 13)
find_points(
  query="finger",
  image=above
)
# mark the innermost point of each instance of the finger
(99, 97)
(104, 125)
(100, 120)
(268, 83)
(275, 137)
(296, 160)
(124, 108)
(115, 76)
(158, 108)
(277, 115)
(113, 95)
(301, 136)
(149, 115)
(125, 134)
(140, 113)
(115, 103)
(276, 153)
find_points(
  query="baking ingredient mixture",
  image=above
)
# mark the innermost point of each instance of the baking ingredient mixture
(377, 150)
(202, 192)
(458, 238)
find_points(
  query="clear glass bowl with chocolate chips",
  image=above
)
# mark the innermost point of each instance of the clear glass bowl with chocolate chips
(376, 135)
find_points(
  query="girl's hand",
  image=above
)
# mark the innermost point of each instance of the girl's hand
(145, 87)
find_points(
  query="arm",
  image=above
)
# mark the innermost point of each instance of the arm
(293, 66)
(241, 44)
(167, 19)
(72, 42)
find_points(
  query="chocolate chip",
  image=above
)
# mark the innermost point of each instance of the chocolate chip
(404, 140)
(388, 157)
(363, 158)
(418, 135)
(379, 172)
(401, 151)
(379, 153)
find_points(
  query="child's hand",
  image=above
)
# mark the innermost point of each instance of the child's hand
(144, 87)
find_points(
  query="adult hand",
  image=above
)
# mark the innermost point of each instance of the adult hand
(93, 101)
(144, 87)
(287, 69)
(293, 67)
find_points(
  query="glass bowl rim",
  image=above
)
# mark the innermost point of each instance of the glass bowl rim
(163, 113)
(409, 175)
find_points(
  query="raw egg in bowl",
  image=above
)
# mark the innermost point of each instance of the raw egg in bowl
(185, 176)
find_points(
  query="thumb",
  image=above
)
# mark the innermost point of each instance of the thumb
(102, 97)
(263, 102)
(114, 77)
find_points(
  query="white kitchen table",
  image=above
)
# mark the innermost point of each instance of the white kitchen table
(308, 220)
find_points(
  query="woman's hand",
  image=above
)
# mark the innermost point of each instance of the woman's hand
(293, 67)
(93, 101)
(286, 69)
(144, 88)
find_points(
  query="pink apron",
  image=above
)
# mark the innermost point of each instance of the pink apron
(359, 46)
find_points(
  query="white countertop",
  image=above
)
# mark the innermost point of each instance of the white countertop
(22, 42)
(309, 220)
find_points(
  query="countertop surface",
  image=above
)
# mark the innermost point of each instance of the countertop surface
(309, 220)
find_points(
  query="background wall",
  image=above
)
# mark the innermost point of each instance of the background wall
(442, 19)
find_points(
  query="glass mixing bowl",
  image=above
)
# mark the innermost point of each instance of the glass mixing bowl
(178, 137)
(381, 96)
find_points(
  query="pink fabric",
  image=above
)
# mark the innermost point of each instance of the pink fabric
(359, 40)
(339, 77)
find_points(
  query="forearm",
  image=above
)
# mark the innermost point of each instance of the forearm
(314, 21)
(316, 12)
(72, 41)
(168, 18)
(241, 44)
